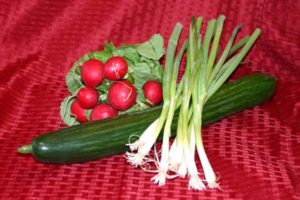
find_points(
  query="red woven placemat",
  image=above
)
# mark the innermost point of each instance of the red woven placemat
(256, 153)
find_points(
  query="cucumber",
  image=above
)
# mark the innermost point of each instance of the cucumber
(94, 140)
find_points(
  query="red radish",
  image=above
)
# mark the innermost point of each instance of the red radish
(115, 68)
(87, 97)
(103, 111)
(78, 112)
(153, 92)
(122, 95)
(92, 72)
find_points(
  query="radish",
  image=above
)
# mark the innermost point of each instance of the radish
(87, 97)
(122, 95)
(103, 111)
(92, 72)
(78, 112)
(115, 68)
(153, 92)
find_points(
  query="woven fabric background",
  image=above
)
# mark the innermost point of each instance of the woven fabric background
(256, 152)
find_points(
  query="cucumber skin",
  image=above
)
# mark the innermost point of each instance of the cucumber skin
(94, 140)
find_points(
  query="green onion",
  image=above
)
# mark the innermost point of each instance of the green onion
(225, 75)
(204, 75)
(160, 178)
(215, 45)
(238, 45)
(144, 144)
(225, 54)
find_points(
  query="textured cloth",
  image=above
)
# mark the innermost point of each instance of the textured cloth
(255, 153)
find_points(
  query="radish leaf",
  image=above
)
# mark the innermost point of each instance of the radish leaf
(152, 49)
(65, 111)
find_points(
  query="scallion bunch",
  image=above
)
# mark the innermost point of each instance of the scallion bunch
(207, 68)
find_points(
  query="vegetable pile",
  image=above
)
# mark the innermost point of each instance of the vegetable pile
(207, 68)
(117, 80)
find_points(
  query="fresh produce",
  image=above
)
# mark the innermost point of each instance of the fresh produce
(115, 68)
(153, 92)
(103, 111)
(78, 112)
(87, 97)
(122, 95)
(94, 140)
(92, 72)
(98, 70)
(205, 73)
(132, 79)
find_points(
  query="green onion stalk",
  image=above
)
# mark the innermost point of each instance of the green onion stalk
(212, 78)
(183, 161)
(140, 149)
(205, 73)
(163, 165)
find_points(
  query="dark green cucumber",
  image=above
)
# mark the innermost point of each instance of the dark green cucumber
(94, 140)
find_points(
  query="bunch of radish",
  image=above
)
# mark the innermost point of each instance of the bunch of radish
(122, 94)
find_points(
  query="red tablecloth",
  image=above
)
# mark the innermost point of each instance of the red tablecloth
(256, 153)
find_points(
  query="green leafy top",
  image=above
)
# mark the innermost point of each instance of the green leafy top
(152, 49)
